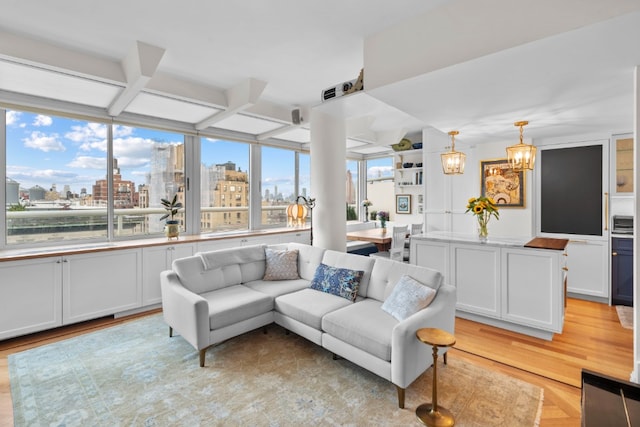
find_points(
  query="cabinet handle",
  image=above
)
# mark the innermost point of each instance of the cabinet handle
(614, 253)
(606, 211)
(565, 268)
(579, 241)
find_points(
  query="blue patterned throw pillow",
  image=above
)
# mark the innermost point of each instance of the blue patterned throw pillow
(337, 281)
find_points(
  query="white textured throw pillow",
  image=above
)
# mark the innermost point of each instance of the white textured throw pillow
(408, 297)
(281, 265)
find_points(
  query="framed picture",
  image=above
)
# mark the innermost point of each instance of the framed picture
(500, 182)
(403, 203)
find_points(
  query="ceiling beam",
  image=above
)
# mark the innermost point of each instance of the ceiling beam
(139, 66)
(239, 97)
(275, 132)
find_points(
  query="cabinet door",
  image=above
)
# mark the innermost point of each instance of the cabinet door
(433, 255)
(622, 271)
(154, 260)
(30, 296)
(476, 275)
(532, 288)
(100, 284)
(588, 265)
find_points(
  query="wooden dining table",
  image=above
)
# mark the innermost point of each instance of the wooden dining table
(382, 239)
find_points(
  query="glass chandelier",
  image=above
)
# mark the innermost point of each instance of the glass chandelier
(453, 161)
(521, 156)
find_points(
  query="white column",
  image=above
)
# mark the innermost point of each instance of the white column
(635, 375)
(328, 177)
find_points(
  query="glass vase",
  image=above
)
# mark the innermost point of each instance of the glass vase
(483, 232)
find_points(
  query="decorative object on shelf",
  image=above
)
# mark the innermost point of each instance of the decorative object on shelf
(403, 203)
(172, 226)
(521, 156)
(373, 215)
(296, 215)
(483, 208)
(453, 161)
(383, 216)
(501, 183)
(416, 145)
(366, 203)
(407, 165)
(403, 145)
(310, 204)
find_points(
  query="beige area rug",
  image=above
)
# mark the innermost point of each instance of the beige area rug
(134, 374)
(625, 315)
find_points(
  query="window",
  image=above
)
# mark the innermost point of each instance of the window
(226, 163)
(148, 165)
(352, 190)
(380, 185)
(53, 166)
(278, 185)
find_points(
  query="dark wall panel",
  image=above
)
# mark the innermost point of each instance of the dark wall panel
(571, 190)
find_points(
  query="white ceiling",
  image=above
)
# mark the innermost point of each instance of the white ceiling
(216, 56)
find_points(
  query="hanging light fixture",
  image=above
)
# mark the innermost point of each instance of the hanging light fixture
(453, 161)
(521, 156)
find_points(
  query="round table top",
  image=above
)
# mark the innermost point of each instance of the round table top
(435, 336)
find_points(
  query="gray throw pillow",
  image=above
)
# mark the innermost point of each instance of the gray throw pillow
(281, 264)
(408, 297)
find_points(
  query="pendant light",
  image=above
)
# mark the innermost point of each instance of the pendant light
(521, 156)
(453, 161)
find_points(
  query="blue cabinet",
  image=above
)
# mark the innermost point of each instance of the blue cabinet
(622, 271)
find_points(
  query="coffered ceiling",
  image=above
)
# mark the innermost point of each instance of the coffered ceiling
(240, 68)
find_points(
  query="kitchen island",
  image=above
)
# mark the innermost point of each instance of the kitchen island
(500, 282)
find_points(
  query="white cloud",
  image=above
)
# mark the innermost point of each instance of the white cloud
(13, 117)
(88, 162)
(42, 120)
(92, 132)
(41, 141)
(379, 171)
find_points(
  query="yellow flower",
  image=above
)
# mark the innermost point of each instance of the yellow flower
(471, 200)
(478, 209)
(491, 200)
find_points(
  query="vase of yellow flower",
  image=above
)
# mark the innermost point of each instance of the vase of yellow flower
(483, 208)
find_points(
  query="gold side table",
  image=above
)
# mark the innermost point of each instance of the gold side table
(431, 414)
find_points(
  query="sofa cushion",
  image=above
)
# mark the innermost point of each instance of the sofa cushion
(308, 306)
(281, 264)
(352, 262)
(309, 258)
(364, 325)
(408, 297)
(234, 304)
(341, 282)
(386, 273)
(277, 287)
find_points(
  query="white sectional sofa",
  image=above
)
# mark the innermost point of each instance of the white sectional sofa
(213, 296)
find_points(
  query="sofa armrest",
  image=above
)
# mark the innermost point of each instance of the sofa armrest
(410, 357)
(185, 311)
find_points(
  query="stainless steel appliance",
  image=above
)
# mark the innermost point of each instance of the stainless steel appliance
(622, 224)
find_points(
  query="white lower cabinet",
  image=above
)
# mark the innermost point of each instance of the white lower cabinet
(588, 265)
(515, 288)
(476, 275)
(154, 260)
(534, 291)
(31, 296)
(99, 284)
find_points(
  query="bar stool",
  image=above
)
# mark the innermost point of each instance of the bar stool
(431, 414)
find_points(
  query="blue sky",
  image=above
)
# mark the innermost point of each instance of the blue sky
(45, 150)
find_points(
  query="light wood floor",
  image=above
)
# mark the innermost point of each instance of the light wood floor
(592, 338)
